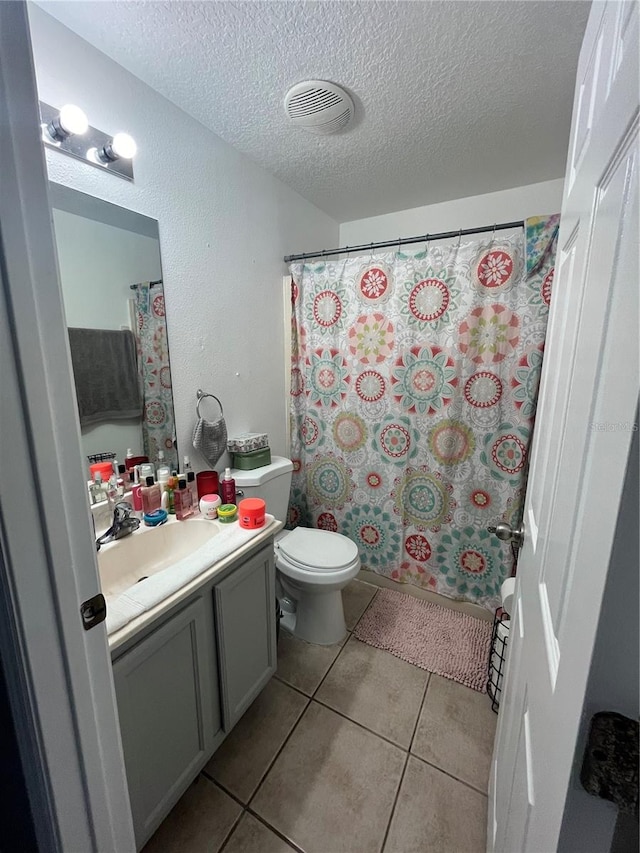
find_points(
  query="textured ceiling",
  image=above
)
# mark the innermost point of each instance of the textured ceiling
(452, 98)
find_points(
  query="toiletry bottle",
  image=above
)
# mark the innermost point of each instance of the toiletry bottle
(151, 496)
(112, 491)
(136, 497)
(147, 470)
(182, 500)
(95, 489)
(186, 465)
(193, 488)
(162, 471)
(163, 479)
(228, 488)
(172, 485)
(123, 481)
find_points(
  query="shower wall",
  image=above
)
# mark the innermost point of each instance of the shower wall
(503, 206)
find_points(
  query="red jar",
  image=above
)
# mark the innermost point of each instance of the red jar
(207, 483)
(251, 513)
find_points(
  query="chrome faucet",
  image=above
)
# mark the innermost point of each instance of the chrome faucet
(124, 523)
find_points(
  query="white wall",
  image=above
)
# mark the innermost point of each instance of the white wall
(97, 263)
(224, 223)
(474, 211)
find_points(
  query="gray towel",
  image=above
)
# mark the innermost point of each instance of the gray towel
(210, 438)
(105, 369)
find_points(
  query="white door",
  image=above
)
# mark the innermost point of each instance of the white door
(587, 406)
(59, 680)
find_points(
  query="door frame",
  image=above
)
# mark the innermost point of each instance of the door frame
(59, 679)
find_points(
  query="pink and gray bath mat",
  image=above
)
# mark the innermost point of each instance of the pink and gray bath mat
(434, 638)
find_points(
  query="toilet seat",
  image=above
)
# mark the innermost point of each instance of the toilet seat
(320, 556)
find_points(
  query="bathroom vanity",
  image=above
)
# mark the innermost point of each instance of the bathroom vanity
(185, 678)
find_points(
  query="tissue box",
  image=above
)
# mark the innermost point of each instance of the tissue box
(253, 459)
(246, 442)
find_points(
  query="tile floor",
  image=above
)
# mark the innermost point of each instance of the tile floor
(347, 750)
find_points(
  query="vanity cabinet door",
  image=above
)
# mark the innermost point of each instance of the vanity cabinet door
(168, 703)
(246, 630)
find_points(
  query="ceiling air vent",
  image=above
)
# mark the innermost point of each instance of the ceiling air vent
(318, 106)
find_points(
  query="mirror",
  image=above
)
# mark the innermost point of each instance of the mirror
(111, 276)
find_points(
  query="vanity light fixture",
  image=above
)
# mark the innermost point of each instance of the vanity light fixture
(70, 121)
(67, 130)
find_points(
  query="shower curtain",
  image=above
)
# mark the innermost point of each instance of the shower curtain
(158, 426)
(414, 381)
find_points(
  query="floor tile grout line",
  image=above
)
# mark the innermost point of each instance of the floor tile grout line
(406, 763)
(361, 617)
(231, 831)
(450, 775)
(333, 663)
(344, 645)
(395, 803)
(424, 699)
(292, 686)
(277, 755)
(277, 832)
(269, 766)
(223, 788)
(361, 725)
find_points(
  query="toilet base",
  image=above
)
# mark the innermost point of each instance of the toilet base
(318, 618)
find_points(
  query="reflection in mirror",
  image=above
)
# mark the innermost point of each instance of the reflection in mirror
(111, 277)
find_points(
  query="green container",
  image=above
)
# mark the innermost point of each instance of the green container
(227, 513)
(251, 460)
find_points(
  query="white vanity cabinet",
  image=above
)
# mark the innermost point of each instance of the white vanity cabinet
(183, 683)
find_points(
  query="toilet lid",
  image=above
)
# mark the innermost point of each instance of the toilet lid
(318, 549)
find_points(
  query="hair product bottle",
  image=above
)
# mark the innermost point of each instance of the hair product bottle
(228, 488)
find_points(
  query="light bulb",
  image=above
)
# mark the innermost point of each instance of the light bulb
(72, 120)
(124, 146)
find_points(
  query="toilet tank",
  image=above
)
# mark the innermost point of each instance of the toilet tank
(271, 482)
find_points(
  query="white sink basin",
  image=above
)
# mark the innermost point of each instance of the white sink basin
(149, 550)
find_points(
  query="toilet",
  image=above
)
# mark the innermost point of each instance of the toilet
(312, 566)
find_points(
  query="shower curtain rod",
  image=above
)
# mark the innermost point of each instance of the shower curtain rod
(151, 284)
(403, 241)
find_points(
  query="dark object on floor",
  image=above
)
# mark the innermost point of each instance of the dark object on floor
(610, 765)
(498, 656)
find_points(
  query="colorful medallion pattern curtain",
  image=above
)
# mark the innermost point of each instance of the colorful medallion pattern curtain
(158, 426)
(414, 382)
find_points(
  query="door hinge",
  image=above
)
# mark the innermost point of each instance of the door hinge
(93, 611)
